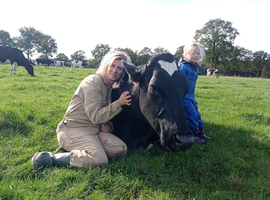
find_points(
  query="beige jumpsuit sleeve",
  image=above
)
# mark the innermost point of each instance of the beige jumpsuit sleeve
(98, 109)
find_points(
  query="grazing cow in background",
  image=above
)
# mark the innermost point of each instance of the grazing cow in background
(61, 63)
(46, 62)
(77, 63)
(156, 113)
(67, 64)
(212, 72)
(16, 58)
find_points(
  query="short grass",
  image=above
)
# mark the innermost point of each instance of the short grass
(233, 165)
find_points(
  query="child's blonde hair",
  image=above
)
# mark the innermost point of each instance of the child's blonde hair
(187, 49)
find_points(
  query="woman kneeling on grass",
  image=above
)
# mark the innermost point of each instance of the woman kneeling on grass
(84, 131)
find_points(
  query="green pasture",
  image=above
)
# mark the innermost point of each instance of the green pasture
(235, 164)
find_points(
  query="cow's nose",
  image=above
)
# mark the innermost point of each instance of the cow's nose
(183, 142)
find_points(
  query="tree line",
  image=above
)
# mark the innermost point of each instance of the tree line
(217, 36)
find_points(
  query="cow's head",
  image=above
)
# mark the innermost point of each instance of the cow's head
(67, 64)
(162, 88)
(29, 67)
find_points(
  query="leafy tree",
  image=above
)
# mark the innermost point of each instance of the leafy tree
(28, 40)
(259, 61)
(218, 37)
(46, 45)
(179, 52)
(144, 55)
(100, 51)
(78, 55)
(5, 39)
(61, 57)
(245, 60)
(93, 63)
(159, 50)
(146, 51)
(233, 62)
(42, 56)
(266, 68)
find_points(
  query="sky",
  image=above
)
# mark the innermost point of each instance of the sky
(135, 24)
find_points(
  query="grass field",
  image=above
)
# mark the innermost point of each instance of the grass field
(235, 164)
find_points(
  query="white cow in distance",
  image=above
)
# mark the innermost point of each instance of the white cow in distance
(212, 72)
(61, 63)
(77, 63)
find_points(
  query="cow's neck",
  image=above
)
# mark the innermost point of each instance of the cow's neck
(135, 93)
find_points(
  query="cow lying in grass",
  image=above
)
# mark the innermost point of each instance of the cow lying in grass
(156, 113)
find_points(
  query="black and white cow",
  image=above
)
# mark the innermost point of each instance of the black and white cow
(67, 64)
(46, 62)
(156, 113)
(61, 63)
(77, 63)
(212, 72)
(16, 58)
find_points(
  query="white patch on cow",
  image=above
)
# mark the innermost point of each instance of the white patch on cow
(167, 66)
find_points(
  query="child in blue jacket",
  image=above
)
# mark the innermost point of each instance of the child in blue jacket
(188, 65)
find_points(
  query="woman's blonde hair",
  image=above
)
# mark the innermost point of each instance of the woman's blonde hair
(187, 49)
(108, 59)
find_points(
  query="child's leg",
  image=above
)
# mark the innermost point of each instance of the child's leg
(191, 114)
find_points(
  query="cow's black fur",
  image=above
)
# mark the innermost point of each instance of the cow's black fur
(156, 113)
(15, 55)
(46, 62)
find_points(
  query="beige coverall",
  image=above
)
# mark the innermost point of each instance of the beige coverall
(79, 131)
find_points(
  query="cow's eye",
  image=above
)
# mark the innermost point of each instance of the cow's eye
(159, 100)
(154, 91)
(158, 92)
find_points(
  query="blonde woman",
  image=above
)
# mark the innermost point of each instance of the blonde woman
(84, 130)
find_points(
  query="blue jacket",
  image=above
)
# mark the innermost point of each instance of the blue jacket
(191, 72)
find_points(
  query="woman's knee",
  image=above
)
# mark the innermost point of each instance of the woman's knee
(117, 151)
(85, 159)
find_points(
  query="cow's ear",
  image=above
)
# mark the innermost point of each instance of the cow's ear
(126, 77)
(134, 72)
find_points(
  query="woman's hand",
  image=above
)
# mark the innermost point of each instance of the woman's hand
(105, 128)
(125, 99)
